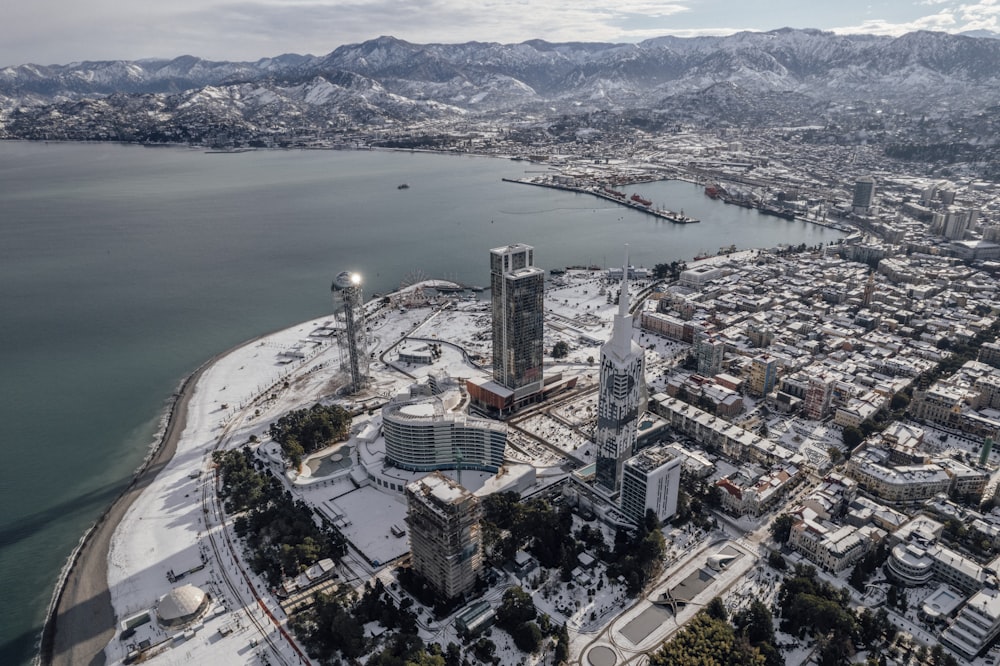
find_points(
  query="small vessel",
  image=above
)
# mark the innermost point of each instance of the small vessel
(403, 186)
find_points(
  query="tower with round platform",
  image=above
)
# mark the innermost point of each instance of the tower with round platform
(349, 307)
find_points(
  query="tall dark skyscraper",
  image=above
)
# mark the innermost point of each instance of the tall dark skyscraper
(518, 291)
(864, 193)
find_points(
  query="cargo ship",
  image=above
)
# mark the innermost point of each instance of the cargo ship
(639, 200)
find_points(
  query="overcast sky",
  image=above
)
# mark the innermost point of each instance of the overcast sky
(62, 31)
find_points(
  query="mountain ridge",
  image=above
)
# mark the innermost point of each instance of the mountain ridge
(389, 81)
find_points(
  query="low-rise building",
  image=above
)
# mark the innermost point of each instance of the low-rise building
(896, 484)
(830, 546)
(743, 496)
(977, 624)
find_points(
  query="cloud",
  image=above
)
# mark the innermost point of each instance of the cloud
(944, 21)
(320, 27)
(981, 15)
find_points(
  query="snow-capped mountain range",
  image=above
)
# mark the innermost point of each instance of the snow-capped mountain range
(387, 81)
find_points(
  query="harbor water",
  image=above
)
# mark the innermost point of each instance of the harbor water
(123, 268)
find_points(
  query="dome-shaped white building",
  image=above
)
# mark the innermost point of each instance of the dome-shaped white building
(182, 606)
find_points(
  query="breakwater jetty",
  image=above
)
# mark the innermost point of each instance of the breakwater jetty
(635, 202)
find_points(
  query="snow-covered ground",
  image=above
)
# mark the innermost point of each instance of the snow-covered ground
(176, 525)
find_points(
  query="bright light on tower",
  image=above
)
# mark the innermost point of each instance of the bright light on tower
(347, 299)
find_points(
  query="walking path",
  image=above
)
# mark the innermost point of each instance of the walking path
(81, 619)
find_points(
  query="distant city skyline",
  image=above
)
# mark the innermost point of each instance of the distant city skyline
(47, 32)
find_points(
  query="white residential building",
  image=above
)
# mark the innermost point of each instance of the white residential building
(651, 480)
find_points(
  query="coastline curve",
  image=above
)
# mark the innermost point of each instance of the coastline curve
(81, 601)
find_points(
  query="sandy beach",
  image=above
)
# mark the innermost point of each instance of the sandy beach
(82, 619)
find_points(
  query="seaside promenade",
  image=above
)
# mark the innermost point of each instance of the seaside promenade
(155, 525)
(81, 618)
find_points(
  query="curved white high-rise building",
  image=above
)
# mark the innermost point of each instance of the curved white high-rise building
(423, 434)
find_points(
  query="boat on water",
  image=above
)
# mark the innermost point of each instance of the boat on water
(639, 200)
(403, 186)
(784, 213)
(227, 151)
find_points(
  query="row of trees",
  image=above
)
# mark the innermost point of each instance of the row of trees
(709, 640)
(334, 626)
(280, 534)
(638, 554)
(670, 271)
(306, 430)
(546, 532)
(810, 606)
(510, 524)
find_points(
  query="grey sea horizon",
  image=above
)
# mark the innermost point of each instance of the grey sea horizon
(123, 268)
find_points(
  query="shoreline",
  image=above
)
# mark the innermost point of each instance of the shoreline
(81, 601)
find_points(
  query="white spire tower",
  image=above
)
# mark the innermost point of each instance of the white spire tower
(622, 394)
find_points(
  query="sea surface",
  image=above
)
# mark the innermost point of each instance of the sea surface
(123, 268)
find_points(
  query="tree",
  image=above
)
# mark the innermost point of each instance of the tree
(560, 349)
(515, 609)
(756, 623)
(716, 609)
(527, 636)
(781, 528)
(561, 655)
(707, 641)
(422, 658)
(453, 655)
(484, 649)
(852, 436)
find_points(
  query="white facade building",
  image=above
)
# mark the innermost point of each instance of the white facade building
(424, 434)
(977, 624)
(621, 398)
(651, 480)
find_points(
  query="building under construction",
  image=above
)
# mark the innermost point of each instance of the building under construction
(445, 541)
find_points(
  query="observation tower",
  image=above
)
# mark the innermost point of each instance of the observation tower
(349, 304)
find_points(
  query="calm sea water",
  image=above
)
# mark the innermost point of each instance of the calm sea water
(123, 268)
